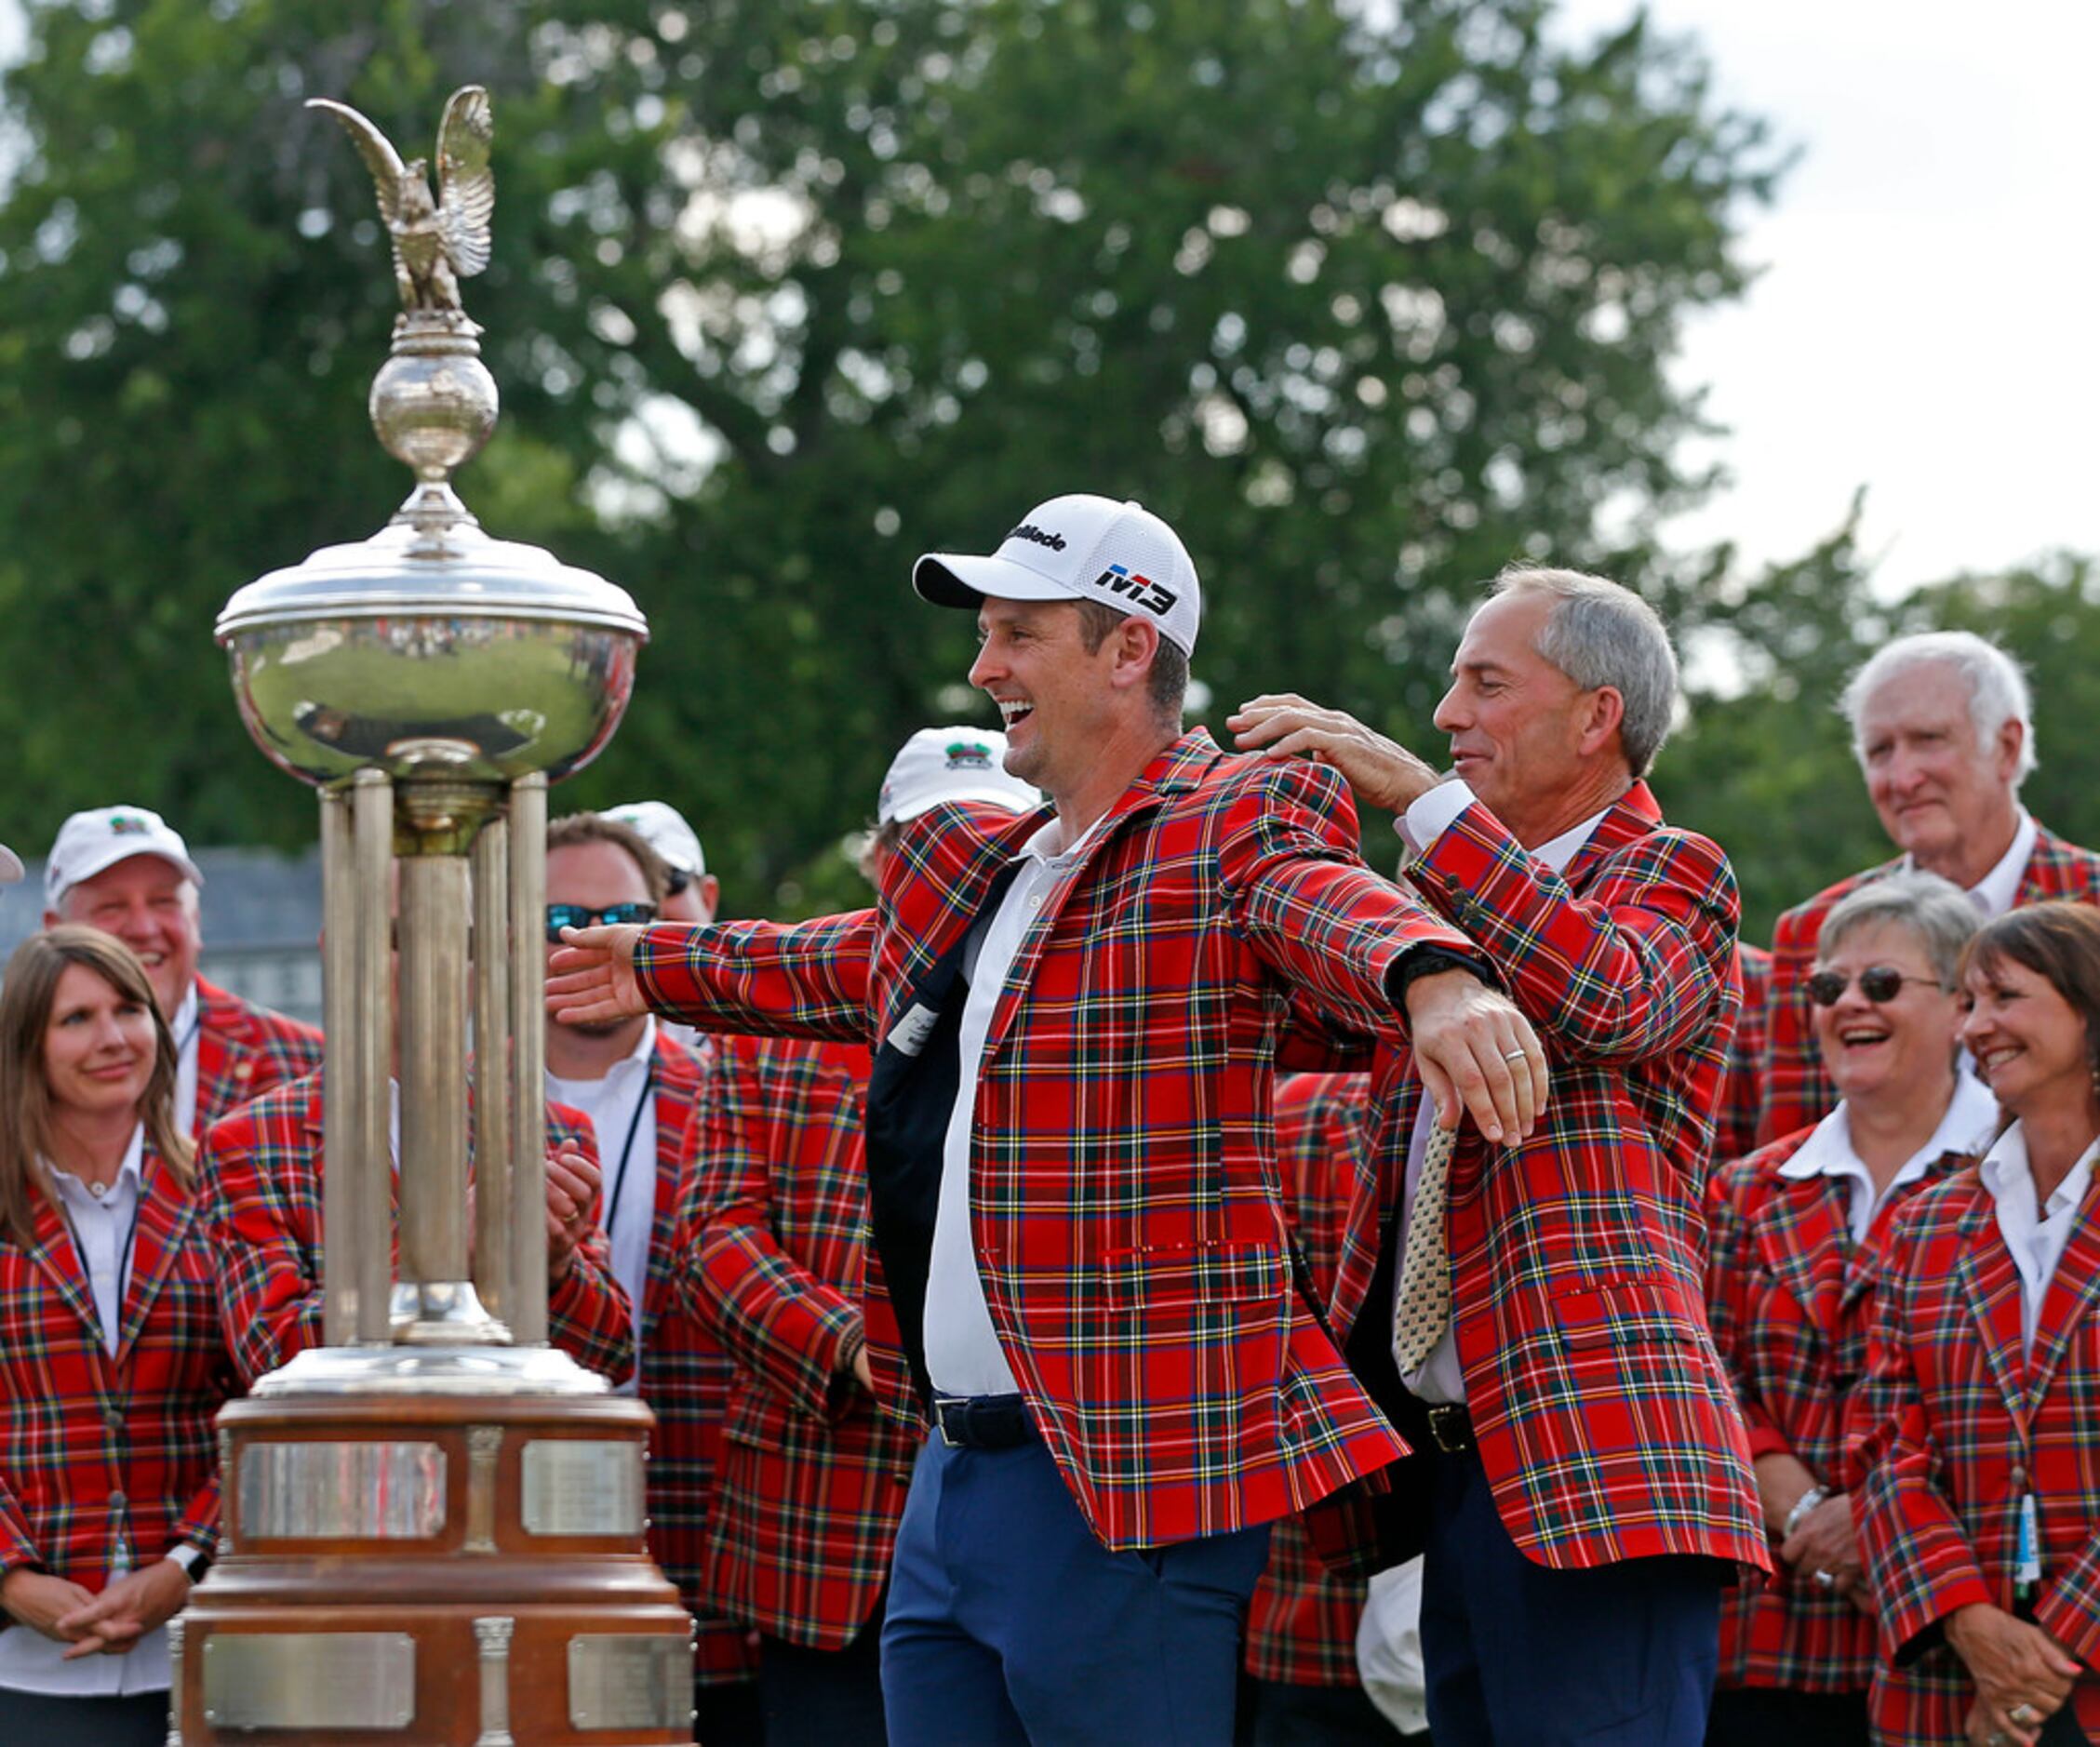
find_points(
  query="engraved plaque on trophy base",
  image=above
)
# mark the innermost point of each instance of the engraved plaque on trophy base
(435, 1569)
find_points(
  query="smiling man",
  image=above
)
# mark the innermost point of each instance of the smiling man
(1943, 726)
(126, 870)
(1530, 1311)
(1073, 1193)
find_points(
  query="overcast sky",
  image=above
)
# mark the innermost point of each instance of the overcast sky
(1926, 323)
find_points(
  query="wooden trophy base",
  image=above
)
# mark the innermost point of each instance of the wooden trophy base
(407, 1564)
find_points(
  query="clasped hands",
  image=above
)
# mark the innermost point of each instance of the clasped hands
(573, 1194)
(89, 1624)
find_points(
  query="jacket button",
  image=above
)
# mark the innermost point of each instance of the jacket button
(2018, 1476)
(117, 1500)
(114, 1419)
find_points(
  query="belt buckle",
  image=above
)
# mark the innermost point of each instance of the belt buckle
(1448, 1428)
(940, 1407)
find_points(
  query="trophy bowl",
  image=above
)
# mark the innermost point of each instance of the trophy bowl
(462, 656)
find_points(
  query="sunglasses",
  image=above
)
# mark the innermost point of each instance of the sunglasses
(1877, 982)
(560, 916)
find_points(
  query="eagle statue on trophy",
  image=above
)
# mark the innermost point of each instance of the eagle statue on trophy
(439, 241)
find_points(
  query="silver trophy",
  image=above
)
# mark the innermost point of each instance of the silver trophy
(435, 1489)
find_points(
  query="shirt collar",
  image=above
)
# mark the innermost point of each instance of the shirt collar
(1037, 846)
(1995, 893)
(1828, 1150)
(1558, 851)
(186, 1018)
(129, 1175)
(2005, 1173)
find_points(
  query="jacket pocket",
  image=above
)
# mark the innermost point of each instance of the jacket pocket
(1193, 1274)
(1621, 1313)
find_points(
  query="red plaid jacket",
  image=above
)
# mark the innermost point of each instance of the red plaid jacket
(260, 1184)
(1302, 1625)
(1176, 1371)
(814, 1475)
(1789, 1297)
(1605, 1420)
(1956, 1425)
(1796, 1091)
(96, 1450)
(685, 1376)
(243, 1050)
(1741, 1099)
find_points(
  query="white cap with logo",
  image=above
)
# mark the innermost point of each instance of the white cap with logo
(1083, 548)
(951, 763)
(663, 828)
(91, 842)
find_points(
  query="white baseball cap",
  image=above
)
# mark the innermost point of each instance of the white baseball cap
(92, 841)
(663, 828)
(1079, 547)
(951, 763)
(10, 866)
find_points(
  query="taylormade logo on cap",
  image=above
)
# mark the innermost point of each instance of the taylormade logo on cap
(1079, 547)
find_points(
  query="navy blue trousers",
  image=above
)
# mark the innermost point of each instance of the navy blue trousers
(1010, 1622)
(1519, 1655)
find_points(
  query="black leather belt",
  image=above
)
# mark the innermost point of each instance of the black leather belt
(983, 1422)
(1450, 1427)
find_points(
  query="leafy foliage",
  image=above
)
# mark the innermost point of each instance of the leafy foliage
(1365, 301)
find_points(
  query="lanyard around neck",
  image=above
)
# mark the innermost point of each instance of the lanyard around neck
(627, 1146)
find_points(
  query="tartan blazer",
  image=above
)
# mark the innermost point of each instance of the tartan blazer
(1741, 1099)
(685, 1375)
(1796, 1091)
(260, 1185)
(1605, 1420)
(813, 1477)
(243, 1050)
(96, 1450)
(1124, 1206)
(1789, 1297)
(1954, 1425)
(1302, 1623)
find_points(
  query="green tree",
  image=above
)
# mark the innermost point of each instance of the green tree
(1367, 303)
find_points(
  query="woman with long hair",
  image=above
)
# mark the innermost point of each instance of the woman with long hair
(1980, 1510)
(111, 1363)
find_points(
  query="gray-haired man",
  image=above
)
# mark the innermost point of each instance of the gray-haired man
(1943, 726)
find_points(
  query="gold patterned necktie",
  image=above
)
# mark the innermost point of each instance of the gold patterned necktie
(1421, 1308)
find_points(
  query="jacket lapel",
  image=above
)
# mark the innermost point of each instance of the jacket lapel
(53, 1251)
(2070, 1294)
(1991, 1284)
(1629, 817)
(165, 1210)
(1174, 771)
(1811, 1254)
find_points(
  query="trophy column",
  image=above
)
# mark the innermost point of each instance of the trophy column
(433, 1527)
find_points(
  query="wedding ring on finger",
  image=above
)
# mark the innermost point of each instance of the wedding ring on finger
(2024, 1714)
(1512, 1055)
(1824, 1579)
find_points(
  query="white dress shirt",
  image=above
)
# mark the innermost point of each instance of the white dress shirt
(2035, 1235)
(184, 1030)
(1442, 1379)
(1971, 1115)
(105, 1232)
(962, 1349)
(624, 1122)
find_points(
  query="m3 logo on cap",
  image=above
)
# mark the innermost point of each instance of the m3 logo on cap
(1144, 591)
(1028, 531)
